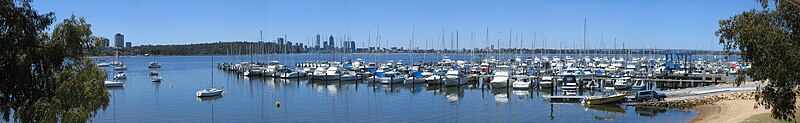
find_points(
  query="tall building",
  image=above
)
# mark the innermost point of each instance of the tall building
(318, 45)
(104, 43)
(280, 41)
(127, 44)
(331, 42)
(325, 44)
(119, 40)
(345, 45)
(353, 45)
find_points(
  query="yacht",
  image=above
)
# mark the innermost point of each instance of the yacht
(290, 73)
(639, 85)
(272, 68)
(521, 82)
(547, 82)
(120, 75)
(454, 77)
(113, 84)
(570, 84)
(209, 92)
(348, 76)
(501, 77)
(121, 67)
(157, 79)
(417, 77)
(103, 64)
(153, 73)
(153, 64)
(622, 83)
(391, 77)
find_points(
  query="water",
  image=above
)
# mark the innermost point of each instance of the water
(254, 99)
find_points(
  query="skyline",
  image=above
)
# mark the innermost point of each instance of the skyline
(638, 24)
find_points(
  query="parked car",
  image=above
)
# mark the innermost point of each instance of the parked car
(647, 95)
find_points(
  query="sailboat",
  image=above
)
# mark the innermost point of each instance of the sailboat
(153, 64)
(210, 92)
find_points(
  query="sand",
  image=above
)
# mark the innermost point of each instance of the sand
(728, 111)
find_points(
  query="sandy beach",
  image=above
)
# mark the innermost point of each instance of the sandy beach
(728, 111)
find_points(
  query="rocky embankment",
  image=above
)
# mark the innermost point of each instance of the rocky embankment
(687, 104)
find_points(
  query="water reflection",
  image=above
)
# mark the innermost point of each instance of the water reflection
(649, 111)
(500, 95)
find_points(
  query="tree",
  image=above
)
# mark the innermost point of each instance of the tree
(769, 39)
(46, 77)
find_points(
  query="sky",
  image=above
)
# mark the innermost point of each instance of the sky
(666, 24)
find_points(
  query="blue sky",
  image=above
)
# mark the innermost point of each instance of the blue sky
(682, 24)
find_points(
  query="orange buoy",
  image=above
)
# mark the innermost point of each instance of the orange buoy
(278, 105)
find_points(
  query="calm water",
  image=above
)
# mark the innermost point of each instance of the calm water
(253, 99)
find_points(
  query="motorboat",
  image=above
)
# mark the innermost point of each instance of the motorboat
(570, 84)
(639, 84)
(521, 82)
(547, 82)
(157, 79)
(391, 77)
(103, 64)
(290, 73)
(153, 64)
(120, 75)
(121, 67)
(501, 77)
(209, 92)
(113, 84)
(153, 73)
(622, 83)
(417, 77)
(455, 77)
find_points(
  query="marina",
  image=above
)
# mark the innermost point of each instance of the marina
(340, 91)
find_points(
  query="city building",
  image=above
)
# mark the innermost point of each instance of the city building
(104, 43)
(127, 44)
(345, 45)
(119, 40)
(353, 45)
(331, 42)
(280, 41)
(318, 44)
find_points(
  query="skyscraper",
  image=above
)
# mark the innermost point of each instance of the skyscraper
(280, 41)
(331, 42)
(353, 45)
(119, 40)
(318, 44)
(127, 44)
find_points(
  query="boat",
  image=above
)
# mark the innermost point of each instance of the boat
(622, 83)
(454, 77)
(348, 76)
(290, 73)
(417, 77)
(121, 67)
(156, 79)
(154, 73)
(604, 100)
(639, 85)
(501, 77)
(103, 64)
(547, 82)
(113, 84)
(570, 84)
(120, 75)
(521, 82)
(209, 92)
(391, 77)
(153, 64)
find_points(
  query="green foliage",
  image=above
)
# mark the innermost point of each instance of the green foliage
(45, 76)
(769, 40)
